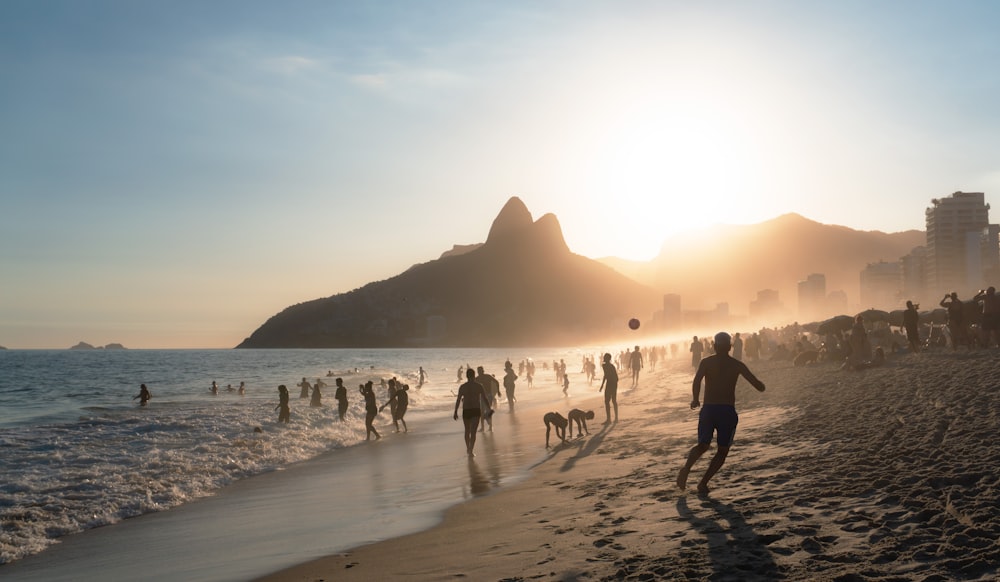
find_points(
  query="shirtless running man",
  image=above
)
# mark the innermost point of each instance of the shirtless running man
(718, 413)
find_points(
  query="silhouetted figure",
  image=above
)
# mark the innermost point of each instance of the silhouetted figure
(580, 418)
(243, 389)
(696, 349)
(911, 323)
(738, 346)
(957, 325)
(635, 364)
(718, 414)
(491, 391)
(341, 395)
(609, 381)
(305, 386)
(554, 419)
(990, 323)
(317, 396)
(509, 379)
(397, 403)
(422, 377)
(371, 409)
(144, 395)
(214, 388)
(285, 413)
(470, 396)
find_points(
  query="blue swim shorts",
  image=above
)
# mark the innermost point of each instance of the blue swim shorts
(720, 419)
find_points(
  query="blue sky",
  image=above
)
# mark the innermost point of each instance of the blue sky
(173, 174)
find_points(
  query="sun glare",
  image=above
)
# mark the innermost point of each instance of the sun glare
(675, 170)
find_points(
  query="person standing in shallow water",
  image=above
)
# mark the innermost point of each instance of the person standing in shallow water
(610, 381)
(286, 414)
(371, 410)
(341, 395)
(470, 396)
(144, 395)
(718, 413)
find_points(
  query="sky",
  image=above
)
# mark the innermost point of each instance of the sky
(172, 174)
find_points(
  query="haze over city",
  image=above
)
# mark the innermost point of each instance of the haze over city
(174, 174)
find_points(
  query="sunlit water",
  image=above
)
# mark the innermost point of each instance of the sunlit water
(77, 452)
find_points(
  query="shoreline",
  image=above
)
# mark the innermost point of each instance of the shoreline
(884, 473)
(365, 493)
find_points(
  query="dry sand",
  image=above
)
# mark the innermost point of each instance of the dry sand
(891, 473)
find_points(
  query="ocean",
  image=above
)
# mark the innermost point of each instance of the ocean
(77, 452)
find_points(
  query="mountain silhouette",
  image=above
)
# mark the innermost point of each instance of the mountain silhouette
(727, 263)
(522, 287)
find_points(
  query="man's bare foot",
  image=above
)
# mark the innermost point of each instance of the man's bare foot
(702, 489)
(682, 477)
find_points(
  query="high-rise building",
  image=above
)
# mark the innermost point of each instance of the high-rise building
(812, 297)
(882, 286)
(915, 276)
(950, 220)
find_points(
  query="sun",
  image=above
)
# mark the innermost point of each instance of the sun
(675, 170)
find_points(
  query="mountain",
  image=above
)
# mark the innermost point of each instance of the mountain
(728, 263)
(522, 287)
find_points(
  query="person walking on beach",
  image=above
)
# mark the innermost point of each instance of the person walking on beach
(911, 323)
(371, 410)
(397, 403)
(470, 396)
(737, 346)
(144, 395)
(696, 349)
(285, 414)
(635, 363)
(610, 381)
(491, 390)
(341, 395)
(718, 412)
(509, 377)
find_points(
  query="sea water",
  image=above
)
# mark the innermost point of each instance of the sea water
(78, 452)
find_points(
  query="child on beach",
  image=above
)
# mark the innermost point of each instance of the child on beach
(557, 420)
(718, 413)
(580, 418)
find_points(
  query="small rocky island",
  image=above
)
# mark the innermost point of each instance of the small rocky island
(86, 346)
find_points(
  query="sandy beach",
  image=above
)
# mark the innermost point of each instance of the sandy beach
(888, 473)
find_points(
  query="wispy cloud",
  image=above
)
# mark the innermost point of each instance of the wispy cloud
(290, 65)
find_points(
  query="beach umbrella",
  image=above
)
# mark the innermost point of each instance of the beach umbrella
(896, 317)
(937, 316)
(835, 324)
(872, 315)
